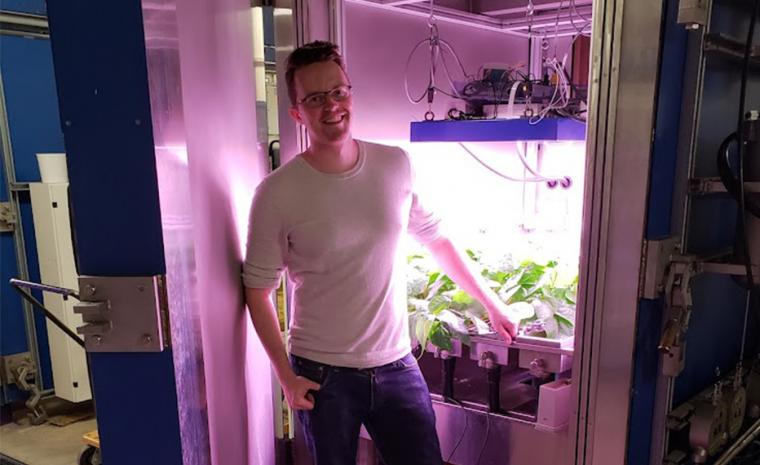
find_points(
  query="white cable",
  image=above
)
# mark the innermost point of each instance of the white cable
(497, 172)
(561, 96)
(527, 166)
(406, 80)
(572, 4)
(512, 95)
(438, 48)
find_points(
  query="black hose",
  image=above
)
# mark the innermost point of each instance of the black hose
(448, 366)
(733, 186)
(494, 391)
(741, 138)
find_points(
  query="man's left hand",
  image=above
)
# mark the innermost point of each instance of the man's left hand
(503, 323)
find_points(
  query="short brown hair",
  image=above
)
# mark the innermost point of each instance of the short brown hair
(313, 52)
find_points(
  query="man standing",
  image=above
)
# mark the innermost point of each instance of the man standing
(334, 218)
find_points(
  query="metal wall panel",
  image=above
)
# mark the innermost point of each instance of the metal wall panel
(100, 66)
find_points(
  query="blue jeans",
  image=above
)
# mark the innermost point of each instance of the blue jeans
(391, 401)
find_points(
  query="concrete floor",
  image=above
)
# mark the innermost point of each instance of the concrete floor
(45, 444)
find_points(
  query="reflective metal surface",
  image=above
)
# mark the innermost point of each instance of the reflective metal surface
(500, 440)
(225, 164)
(624, 75)
(164, 79)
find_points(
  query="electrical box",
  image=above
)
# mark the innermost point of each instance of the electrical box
(52, 225)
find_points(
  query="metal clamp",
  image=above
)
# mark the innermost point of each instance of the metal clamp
(678, 306)
(123, 314)
(19, 369)
(8, 218)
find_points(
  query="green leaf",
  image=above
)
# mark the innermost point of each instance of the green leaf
(409, 258)
(433, 277)
(565, 327)
(561, 319)
(439, 303)
(543, 310)
(424, 323)
(571, 296)
(551, 325)
(440, 336)
(456, 325)
(461, 297)
(419, 305)
(521, 310)
(481, 327)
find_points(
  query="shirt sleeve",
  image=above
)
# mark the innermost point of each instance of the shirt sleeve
(424, 224)
(266, 250)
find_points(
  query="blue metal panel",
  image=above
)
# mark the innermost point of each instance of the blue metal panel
(136, 402)
(33, 265)
(101, 73)
(35, 7)
(658, 225)
(99, 51)
(32, 108)
(268, 26)
(551, 129)
(714, 337)
(715, 329)
(32, 103)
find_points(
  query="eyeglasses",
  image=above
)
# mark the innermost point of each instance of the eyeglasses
(318, 99)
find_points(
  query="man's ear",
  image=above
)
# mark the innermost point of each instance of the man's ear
(296, 115)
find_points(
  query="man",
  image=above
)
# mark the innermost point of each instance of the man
(334, 218)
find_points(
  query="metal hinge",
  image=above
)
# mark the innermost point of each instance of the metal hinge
(124, 314)
(667, 272)
(657, 256)
(8, 218)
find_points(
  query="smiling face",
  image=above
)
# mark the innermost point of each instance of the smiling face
(330, 123)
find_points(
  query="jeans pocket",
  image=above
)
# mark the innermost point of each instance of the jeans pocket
(313, 371)
(410, 361)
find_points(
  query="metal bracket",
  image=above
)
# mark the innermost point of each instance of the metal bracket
(678, 306)
(658, 256)
(19, 369)
(707, 186)
(676, 457)
(693, 13)
(8, 218)
(123, 314)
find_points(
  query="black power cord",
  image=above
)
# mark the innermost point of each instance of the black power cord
(733, 186)
(464, 430)
(742, 146)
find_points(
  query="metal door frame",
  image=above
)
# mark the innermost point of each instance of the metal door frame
(624, 78)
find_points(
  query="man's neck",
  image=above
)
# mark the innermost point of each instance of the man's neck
(333, 159)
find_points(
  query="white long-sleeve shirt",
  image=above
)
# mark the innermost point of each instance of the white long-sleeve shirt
(339, 237)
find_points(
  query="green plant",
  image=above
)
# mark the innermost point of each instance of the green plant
(439, 311)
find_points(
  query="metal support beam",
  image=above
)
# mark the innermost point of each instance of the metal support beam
(25, 25)
(501, 8)
(18, 234)
(448, 15)
(399, 2)
(715, 186)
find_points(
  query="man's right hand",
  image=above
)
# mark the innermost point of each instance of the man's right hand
(297, 392)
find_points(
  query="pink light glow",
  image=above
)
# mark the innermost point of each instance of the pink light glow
(481, 210)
